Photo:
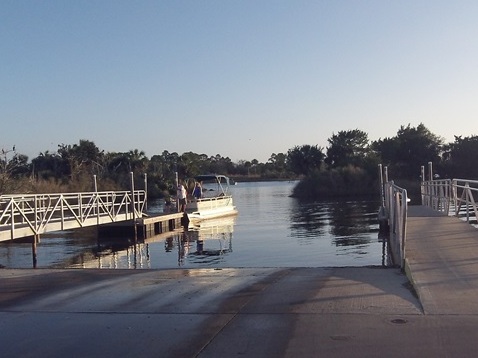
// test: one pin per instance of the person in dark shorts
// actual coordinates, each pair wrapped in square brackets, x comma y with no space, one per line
[181,198]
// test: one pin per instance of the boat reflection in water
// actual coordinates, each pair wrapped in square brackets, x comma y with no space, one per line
[213,239]
[202,245]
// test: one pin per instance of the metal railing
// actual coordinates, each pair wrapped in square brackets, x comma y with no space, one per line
[396,207]
[437,194]
[465,199]
[458,197]
[27,215]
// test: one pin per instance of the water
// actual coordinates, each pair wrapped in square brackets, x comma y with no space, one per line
[271,230]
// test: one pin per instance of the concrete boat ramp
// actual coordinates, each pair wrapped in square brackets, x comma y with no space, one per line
[264,312]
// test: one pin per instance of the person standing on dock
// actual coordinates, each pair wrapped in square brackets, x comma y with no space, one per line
[197,192]
[182,194]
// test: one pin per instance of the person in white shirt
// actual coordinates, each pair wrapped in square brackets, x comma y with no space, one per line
[181,197]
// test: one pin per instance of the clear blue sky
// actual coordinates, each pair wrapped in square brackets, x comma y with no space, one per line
[242,79]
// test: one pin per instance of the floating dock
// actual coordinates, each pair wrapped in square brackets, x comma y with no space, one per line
[145,227]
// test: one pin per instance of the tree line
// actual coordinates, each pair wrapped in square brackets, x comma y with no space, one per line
[347,166]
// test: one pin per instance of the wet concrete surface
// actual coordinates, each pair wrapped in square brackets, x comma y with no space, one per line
[270,312]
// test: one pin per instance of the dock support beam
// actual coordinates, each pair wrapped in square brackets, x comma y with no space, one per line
[36,239]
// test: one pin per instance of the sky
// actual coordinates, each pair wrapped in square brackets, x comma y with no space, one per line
[242,79]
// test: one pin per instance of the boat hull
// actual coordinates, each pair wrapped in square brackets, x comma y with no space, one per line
[209,208]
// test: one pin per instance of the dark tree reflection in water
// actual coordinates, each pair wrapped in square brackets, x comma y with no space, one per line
[348,222]
[308,219]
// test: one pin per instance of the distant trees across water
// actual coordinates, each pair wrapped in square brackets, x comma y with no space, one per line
[347,166]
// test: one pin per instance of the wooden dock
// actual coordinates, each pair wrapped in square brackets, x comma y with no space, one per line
[145,227]
[159,224]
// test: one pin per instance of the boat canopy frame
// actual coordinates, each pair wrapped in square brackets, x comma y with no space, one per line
[216,178]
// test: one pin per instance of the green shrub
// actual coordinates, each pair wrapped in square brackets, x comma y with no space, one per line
[339,182]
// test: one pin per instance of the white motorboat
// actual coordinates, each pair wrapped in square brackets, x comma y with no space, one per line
[215,200]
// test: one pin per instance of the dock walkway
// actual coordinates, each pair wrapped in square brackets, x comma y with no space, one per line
[442,261]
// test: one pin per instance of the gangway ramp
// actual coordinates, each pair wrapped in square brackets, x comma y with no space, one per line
[442,261]
[35,214]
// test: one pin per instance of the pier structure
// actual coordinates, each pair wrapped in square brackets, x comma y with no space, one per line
[118,212]
[441,261]
[144,227]
[113,213]
[35,214]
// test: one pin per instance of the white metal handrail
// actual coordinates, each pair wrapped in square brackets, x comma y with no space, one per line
[458,197]
[465,198]
[437,194]
[396,206]
[34,214]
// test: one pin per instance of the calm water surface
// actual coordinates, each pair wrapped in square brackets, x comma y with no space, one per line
[271,230]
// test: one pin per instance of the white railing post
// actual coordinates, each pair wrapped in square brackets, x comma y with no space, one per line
[404,224]
[12,218]
[467,193]
[133,206]
[80,207]
[145,191]
[62,205]
[422,184]
[35,212]
[96,200]
[396,204]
